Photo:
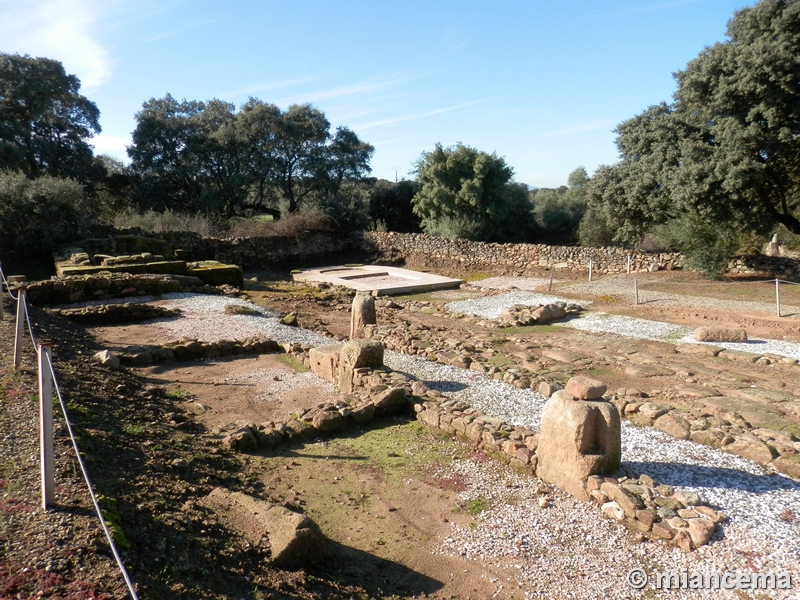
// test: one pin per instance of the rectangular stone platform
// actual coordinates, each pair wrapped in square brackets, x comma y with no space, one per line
[378,280]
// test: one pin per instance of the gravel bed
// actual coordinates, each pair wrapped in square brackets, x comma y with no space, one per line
[204,319]
[492,307]
[623,286]
[273,384]
[506,283]
[755,538]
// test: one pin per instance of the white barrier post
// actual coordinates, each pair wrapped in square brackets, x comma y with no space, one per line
[629,264]
[778,296]
[552,270]
[46,425]
[20,326]
[636,290]
[591,265]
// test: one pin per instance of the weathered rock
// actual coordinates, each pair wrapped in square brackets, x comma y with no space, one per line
[290,319]
[547,388]
[294,539]
[362,313]
[627,501]
[674,425]
[720,334]
[613,511]
[363,413]
[107,359]
[327,420]
[700,530]
[394,396]
[585,388]
[242,440]
[548,313]
[578,438]
[653,410]
[749,446]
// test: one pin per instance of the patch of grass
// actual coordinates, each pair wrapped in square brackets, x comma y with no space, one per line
[292,362]
[476,507]
[500,360]
[178,394]
[133,429]
[114,521]
[471,276]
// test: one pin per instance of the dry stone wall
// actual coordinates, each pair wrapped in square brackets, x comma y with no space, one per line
[421,249]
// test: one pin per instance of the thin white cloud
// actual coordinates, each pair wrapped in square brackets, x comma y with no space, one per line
[370,87]
[263,87]
[183,29]
[60,29]
[113,145]
[414,117]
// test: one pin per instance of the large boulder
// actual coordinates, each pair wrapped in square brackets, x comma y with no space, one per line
[363,313]
[578,438]
[295,540]
[585,388]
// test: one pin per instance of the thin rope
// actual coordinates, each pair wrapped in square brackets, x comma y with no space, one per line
[10,293]
[96,504]
[30,325]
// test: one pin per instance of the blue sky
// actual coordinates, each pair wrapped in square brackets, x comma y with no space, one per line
[541,83]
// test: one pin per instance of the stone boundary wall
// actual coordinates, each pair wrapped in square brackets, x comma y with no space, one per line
[419,249]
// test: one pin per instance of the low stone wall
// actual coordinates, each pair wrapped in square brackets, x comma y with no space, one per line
[418,249]
[106,285]
[426,251]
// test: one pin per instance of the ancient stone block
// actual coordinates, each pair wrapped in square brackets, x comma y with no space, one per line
[720,334]
[578,438]
[362,313]
[324,362]
[294,539]
[357,354]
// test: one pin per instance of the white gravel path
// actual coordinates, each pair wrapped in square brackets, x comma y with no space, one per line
[204,318]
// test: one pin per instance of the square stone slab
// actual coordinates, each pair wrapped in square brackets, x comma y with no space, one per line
[378,280]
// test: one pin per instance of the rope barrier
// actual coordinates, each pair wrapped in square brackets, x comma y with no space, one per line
[96,504]
[85,474]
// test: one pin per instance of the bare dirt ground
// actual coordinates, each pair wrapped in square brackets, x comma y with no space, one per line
[152,439]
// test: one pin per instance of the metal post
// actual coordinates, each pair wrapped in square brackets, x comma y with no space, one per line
[20,326]
[778,296]
[552,270]
[591,265]
[629,264]
[46,425]
[636,290]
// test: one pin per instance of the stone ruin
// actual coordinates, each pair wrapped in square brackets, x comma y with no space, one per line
[580,436]
[363,314]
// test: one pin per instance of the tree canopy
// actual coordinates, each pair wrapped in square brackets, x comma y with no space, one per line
[727,149]
[45,123]
[466,193]
[208,155]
